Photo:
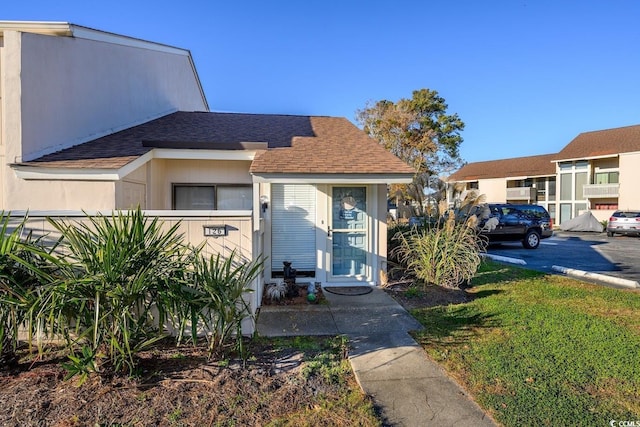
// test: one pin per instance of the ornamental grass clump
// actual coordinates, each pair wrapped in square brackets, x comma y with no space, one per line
[447,255]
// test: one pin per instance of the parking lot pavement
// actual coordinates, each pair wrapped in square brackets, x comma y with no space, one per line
[617,256]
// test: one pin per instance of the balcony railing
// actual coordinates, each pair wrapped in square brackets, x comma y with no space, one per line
[595,191]
[521,193]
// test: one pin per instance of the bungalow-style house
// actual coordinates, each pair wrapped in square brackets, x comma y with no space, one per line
[596,171]
[94,121]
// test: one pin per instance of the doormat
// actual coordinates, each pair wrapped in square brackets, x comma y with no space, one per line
[348,290]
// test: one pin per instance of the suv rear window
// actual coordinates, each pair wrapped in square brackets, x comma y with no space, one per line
[622,214]
[532,211]
[535,211]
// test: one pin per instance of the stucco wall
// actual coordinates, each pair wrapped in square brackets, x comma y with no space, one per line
[629,196]
[494,189]
[56,195]
[167,172]
[73,90]
[131,192]
[380,222]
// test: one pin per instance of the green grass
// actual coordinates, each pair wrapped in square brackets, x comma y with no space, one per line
[537,349]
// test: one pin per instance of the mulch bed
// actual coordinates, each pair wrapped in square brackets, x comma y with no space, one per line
[175,386]
[411,297]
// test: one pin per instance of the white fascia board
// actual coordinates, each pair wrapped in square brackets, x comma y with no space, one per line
[198,154]
[333,178]
[87,174]
[59,174]
[37,27]
[606,156]
[67,29]
[81,32]
[84,174]
[135,164]
[512,178]
[464,180]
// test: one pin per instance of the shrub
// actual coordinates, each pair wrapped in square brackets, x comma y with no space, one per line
[116,272]
[446,255]
[218,294]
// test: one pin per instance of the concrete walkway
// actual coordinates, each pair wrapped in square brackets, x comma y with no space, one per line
[389,365]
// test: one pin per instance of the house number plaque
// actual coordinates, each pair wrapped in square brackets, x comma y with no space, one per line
[215,230]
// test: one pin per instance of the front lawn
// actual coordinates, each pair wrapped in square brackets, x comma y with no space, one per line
[537,349]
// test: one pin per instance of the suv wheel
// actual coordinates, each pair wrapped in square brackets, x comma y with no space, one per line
[531,240]
[609,233]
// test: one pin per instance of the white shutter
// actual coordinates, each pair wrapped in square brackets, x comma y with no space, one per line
[293,226]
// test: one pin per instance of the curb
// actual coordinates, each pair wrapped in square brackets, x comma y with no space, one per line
[505,259]
[631,284]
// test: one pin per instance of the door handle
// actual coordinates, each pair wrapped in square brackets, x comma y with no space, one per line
[329,231]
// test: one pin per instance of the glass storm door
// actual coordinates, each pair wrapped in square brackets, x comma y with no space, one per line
[349,232]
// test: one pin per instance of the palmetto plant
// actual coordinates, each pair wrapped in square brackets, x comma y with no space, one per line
[23,263]
[117,275]
[218,291]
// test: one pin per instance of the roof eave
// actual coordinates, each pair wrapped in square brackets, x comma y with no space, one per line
[331,178]
[38,27]
[42,172]
[573,159]
[31,173]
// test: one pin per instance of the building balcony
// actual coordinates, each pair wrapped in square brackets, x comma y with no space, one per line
[521,193]
[595,191]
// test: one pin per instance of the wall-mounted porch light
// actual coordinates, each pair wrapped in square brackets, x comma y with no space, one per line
[264,202]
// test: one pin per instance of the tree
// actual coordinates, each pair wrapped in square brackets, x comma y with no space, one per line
[420,132]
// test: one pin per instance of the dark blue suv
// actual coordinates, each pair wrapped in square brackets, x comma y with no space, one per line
[505,222]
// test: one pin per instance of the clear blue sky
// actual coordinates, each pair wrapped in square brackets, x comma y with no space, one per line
[526,76]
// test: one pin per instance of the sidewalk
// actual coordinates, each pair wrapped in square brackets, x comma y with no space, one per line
[389,365]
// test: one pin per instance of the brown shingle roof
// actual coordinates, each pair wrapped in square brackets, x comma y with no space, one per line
[296,144]
[338,147]
[520,166]
[602,143]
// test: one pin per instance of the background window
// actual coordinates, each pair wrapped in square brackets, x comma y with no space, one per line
[565,186]
[581,180]
[552,189]
[606,178]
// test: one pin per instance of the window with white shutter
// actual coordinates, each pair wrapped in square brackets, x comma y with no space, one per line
[293,227]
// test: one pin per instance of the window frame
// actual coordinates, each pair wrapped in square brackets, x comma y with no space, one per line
[215,187]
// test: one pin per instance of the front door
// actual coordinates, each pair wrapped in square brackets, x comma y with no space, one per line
[349,233]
